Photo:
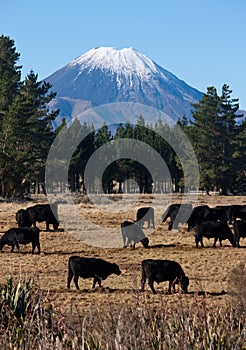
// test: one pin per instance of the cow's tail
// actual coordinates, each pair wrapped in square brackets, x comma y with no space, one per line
[165,215]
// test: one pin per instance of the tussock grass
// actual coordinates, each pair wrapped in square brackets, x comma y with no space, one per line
[29,321]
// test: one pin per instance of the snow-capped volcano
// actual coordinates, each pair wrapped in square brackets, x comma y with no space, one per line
[107,75]
[126,62]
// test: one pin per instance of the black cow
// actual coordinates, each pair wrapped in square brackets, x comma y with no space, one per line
[132,233]
[163,270]
[215,214]
[43,212]
[218,230]
[16,236]
[146,214]
[181,212]
[197,216]
[95,268]
[239,227]
[227,209]
[238,212]
[23,219]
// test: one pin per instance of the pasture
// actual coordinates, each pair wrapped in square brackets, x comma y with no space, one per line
[92,231]
[207,268]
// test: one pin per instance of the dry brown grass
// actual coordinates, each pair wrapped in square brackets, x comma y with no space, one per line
[118,316]
[208,268]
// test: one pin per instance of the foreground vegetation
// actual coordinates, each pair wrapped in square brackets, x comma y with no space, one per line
[29,321]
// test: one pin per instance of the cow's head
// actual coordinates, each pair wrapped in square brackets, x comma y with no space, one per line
[184,282]
[145,242]
[116,269]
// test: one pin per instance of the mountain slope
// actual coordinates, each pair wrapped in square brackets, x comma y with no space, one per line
[106,75]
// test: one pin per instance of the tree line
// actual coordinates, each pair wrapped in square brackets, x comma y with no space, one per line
[27,133]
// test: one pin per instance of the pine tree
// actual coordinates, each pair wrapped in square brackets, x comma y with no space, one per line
[26,130]
[214,135]
[10,74]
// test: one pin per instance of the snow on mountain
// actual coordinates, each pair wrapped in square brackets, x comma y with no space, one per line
[126,62]
[107,75]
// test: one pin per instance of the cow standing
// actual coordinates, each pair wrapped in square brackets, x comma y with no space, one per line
[197,216]
[163,270]
[178,214]
[132,233]
[43,212]
[218,230]
[239,228]
[16,236]
[95,268]
[146,214]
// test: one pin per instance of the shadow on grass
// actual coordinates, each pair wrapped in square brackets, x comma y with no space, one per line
[156,246]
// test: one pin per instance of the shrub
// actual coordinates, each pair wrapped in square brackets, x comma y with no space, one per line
[29,321]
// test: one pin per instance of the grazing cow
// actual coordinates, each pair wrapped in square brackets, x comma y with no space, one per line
[197,216]
[238,212]
[95,268]
[181,212]
[16,236]
[146,214]
[163,270]
[43,212]
[23,219]
[239,228]
[132,233]
[218,230]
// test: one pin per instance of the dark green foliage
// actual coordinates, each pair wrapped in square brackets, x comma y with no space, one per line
[26,130]
[26,136]
[9,73]
[215,136]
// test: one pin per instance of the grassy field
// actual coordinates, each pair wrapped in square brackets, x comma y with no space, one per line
[209,269]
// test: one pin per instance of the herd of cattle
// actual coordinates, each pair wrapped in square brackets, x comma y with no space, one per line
[205,221]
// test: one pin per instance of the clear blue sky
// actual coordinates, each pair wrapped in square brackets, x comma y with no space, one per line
[201,42]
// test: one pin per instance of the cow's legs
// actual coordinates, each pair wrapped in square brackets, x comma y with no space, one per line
[151,284]
[16,243]
[69,278]
[98,280]
[153,223]
[143,280]
[76,279]
[126,242]
[197,241]
[34,245]
[237,242]
[215,240]
[172,285]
